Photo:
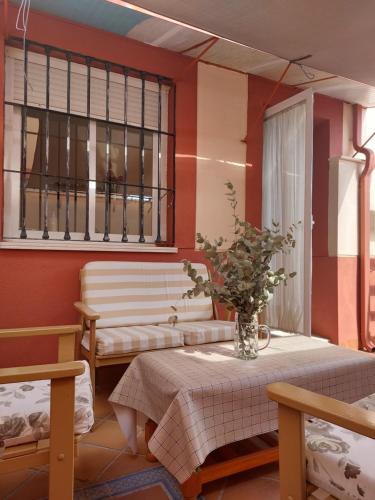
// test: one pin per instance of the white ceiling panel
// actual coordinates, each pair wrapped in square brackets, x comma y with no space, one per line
[337,33]
[346,90]
[165,34]
[238,57]
[296,75]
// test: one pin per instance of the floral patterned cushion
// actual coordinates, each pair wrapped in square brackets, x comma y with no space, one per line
[25,409]
[340,461]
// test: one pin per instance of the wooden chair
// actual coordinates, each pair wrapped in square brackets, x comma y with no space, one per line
[58,451]
[294,403]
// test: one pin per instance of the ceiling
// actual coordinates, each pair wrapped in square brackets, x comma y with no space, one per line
[338,34]
[334,46]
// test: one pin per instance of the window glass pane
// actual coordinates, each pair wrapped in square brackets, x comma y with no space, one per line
[133,211]
[33,198]
[116,208]
[117,155]
[118,176]
[166,155]
[57,178]
[148,207]
[166,211]
[99,206]
[134,162]
[34,151]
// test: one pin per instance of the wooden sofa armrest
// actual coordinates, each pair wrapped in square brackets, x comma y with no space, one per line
[228,315]
[90,315]
[86,311]
[343,414]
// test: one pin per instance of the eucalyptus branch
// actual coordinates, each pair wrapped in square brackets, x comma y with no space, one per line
[243,278]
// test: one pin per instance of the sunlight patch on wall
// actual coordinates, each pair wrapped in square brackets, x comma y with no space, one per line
[221,156]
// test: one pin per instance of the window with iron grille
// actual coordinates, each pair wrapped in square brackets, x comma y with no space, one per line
[89,149]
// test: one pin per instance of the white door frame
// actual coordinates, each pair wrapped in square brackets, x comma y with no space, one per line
[307,96]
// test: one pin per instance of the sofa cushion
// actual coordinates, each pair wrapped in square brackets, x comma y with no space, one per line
[204,332]
[126,339]
[141,293]
[340,461]
[25,409]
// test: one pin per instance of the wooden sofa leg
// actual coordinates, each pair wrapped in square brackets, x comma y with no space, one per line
[61,463]
[92,354]
[292,462]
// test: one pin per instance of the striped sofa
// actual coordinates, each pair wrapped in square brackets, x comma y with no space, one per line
[126,307]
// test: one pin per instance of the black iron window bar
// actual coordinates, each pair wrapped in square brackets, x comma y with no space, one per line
[68,179]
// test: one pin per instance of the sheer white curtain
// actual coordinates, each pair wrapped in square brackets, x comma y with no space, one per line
[284,202]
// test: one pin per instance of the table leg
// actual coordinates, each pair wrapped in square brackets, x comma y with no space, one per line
[192,487]
[150,427]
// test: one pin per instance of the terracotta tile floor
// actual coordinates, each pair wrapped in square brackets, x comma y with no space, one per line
[103,455]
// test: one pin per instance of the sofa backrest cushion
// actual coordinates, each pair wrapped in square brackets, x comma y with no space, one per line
[141,293]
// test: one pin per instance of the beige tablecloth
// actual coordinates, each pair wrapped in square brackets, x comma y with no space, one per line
[203,397]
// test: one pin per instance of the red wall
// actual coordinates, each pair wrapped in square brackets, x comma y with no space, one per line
[2,84]
[324,298]
[39,287]
[334,287]
[328,130]
[372,300]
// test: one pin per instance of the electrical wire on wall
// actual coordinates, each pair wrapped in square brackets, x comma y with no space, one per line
[22,22]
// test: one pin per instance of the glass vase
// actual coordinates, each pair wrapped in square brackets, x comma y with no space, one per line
[246,337]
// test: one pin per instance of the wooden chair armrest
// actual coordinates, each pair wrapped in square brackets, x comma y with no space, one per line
[345,415]
[66,335]
[39,330]
[87,312]
[41,372]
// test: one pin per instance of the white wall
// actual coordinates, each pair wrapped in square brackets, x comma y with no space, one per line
[343,207]
[343,214]
[344,173]
[222,124]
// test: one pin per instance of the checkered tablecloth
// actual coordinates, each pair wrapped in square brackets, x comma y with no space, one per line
[203,397]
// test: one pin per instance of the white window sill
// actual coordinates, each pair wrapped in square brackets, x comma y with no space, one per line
[84,246]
